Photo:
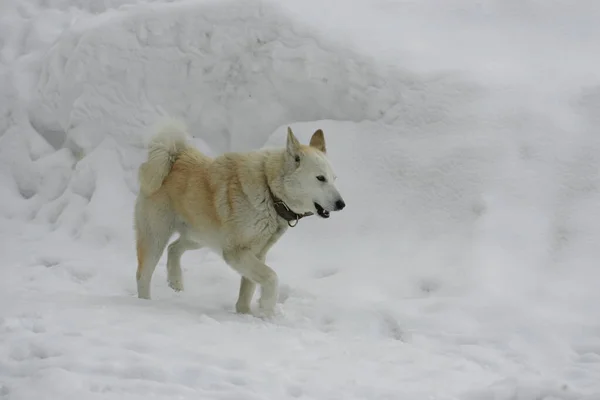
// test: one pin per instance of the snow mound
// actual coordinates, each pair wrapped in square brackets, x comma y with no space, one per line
[233,70]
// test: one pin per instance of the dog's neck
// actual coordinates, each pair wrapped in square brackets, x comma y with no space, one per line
[280,206]
[285,212]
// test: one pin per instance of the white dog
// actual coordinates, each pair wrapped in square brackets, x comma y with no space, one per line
[238,204]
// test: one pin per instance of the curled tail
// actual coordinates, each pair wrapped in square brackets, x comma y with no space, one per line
[165,146]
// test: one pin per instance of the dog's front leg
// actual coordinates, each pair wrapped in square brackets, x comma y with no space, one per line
[247,288]
[250,267]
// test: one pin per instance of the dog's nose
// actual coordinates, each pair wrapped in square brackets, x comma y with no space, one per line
[340,204]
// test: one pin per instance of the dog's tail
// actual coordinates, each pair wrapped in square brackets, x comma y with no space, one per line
[169,140]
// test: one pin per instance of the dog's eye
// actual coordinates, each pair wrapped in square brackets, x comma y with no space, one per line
[321,178]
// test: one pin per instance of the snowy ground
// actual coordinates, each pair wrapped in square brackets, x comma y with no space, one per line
[464,135]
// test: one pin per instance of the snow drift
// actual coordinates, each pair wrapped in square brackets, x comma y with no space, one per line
[234,70]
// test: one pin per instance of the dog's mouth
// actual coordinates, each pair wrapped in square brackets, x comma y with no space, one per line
[323,213]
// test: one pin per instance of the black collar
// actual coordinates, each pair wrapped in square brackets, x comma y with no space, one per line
[285,212]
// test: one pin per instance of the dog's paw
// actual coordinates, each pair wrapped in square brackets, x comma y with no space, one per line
[270,313]
[265,313]
[242,309]
[176,285]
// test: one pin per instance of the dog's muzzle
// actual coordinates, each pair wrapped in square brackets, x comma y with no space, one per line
[323,213]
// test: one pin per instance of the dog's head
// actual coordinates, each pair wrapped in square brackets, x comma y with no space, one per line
[309,178]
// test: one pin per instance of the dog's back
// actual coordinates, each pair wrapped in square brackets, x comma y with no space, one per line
[190,191]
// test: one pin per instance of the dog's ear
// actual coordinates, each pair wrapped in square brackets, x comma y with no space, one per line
[293,145]
[318,141]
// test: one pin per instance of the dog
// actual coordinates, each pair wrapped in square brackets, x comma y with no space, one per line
[237,204]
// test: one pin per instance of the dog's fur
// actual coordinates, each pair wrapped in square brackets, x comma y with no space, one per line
[226,204]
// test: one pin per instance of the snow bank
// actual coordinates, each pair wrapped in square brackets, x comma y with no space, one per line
[233,70]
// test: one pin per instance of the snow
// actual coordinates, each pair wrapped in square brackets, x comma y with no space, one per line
[464,137]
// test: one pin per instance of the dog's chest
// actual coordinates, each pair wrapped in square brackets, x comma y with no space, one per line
[264,226]
[269,224]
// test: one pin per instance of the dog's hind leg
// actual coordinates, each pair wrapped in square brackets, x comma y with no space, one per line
[176,250]
[149,251]
[153,230]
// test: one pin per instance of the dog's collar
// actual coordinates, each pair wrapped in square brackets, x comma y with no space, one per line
[285,212]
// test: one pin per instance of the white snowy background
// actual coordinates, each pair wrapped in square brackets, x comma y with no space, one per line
[465,139]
